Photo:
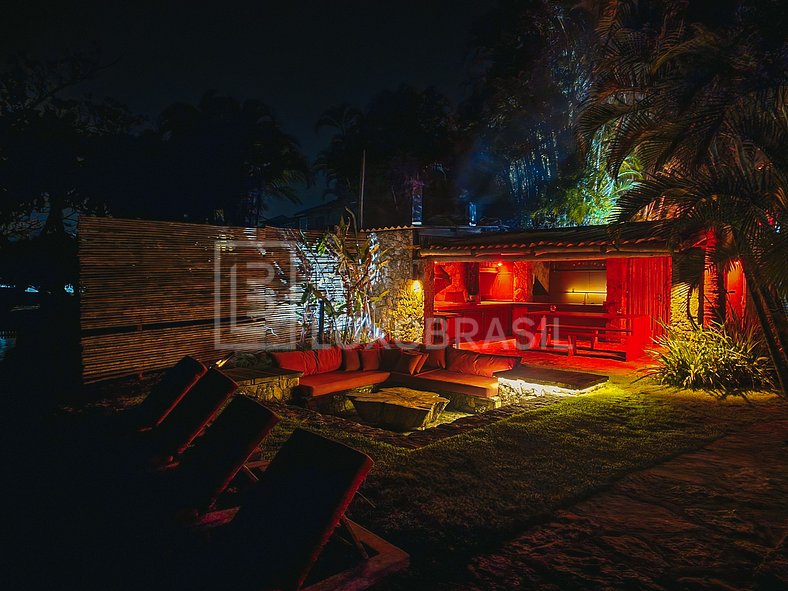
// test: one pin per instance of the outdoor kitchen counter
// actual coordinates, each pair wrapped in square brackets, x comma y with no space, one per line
[493,320]
[477,320]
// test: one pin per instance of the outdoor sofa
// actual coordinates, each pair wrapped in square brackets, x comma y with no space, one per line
[466,377]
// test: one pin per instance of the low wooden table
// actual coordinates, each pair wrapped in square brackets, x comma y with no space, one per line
[400,409]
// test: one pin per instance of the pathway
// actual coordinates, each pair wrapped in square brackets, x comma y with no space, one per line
[716,518]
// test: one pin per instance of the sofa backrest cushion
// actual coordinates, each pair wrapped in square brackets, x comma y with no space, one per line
[370,359]
[351,360]
[470,362]
[487,365]
[389,358]
[436,357]
[329,359]
[303,361]
[410,362]
[422,361]
[460,361]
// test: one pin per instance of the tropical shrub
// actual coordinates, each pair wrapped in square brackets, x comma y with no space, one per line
[343,270]
[723,360]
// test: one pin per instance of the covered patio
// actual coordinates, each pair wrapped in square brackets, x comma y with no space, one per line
[600,294]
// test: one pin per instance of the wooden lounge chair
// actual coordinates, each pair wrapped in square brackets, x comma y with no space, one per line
[168,392]
[198,407]
[206,468]
[273,540]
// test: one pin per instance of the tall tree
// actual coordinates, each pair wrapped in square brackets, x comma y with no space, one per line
[532,68]
[408,138]
[700,99]
[50,143]
[222,160]
[48,140]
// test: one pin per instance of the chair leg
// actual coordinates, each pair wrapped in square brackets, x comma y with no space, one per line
[356,542]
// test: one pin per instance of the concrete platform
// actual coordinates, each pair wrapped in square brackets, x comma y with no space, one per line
[558,378]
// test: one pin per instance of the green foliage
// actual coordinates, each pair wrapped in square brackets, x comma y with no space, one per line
[343,268]
[523,109]
[249,360]
[591,197]
[701,100]
[523,468]
[718,359]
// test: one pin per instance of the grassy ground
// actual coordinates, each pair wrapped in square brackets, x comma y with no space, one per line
[451,500]
[444,503]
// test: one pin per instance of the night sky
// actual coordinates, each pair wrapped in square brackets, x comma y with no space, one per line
[299,57]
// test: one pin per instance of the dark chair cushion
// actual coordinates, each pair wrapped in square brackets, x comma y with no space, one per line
[168,392]
[287,517]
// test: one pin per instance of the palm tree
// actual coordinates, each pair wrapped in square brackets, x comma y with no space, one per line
[227,156]
[340,162]
[703,107]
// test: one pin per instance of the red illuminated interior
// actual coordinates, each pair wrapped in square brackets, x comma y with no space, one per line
[610,298]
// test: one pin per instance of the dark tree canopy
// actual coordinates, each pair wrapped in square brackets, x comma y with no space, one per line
[407,137]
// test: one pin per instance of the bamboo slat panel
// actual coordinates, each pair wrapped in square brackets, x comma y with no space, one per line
[151,292]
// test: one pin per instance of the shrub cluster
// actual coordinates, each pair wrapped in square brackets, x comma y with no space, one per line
[718,359]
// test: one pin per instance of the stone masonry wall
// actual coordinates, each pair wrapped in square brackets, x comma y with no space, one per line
[397,275]
[684,292]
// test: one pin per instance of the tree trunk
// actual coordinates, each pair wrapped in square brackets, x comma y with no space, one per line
[713,284]
[769,317]
[54,222]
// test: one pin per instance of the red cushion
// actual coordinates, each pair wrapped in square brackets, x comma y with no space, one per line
[370,359]
[389,358]
[442,380]
[487,365]
[409,362]
[350,360]
[338,381]
[436,357]
[461,361]
[303,361]
[422,361]
[329,359]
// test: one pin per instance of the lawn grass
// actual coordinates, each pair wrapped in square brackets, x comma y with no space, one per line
[463,495]
[471,493]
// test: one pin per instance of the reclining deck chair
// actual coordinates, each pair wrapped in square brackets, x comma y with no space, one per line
[286,519]
[198,407]
[167,393]
[208,467]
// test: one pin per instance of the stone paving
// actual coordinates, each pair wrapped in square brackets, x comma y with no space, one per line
[716,518]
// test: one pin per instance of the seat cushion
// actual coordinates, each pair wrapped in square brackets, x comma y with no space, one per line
[389,358]
[449,381]
[410,362]
[339,381]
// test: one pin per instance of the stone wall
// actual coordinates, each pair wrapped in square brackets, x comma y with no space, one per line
[523,281]
[685,289]
[268,388]
[397,284]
